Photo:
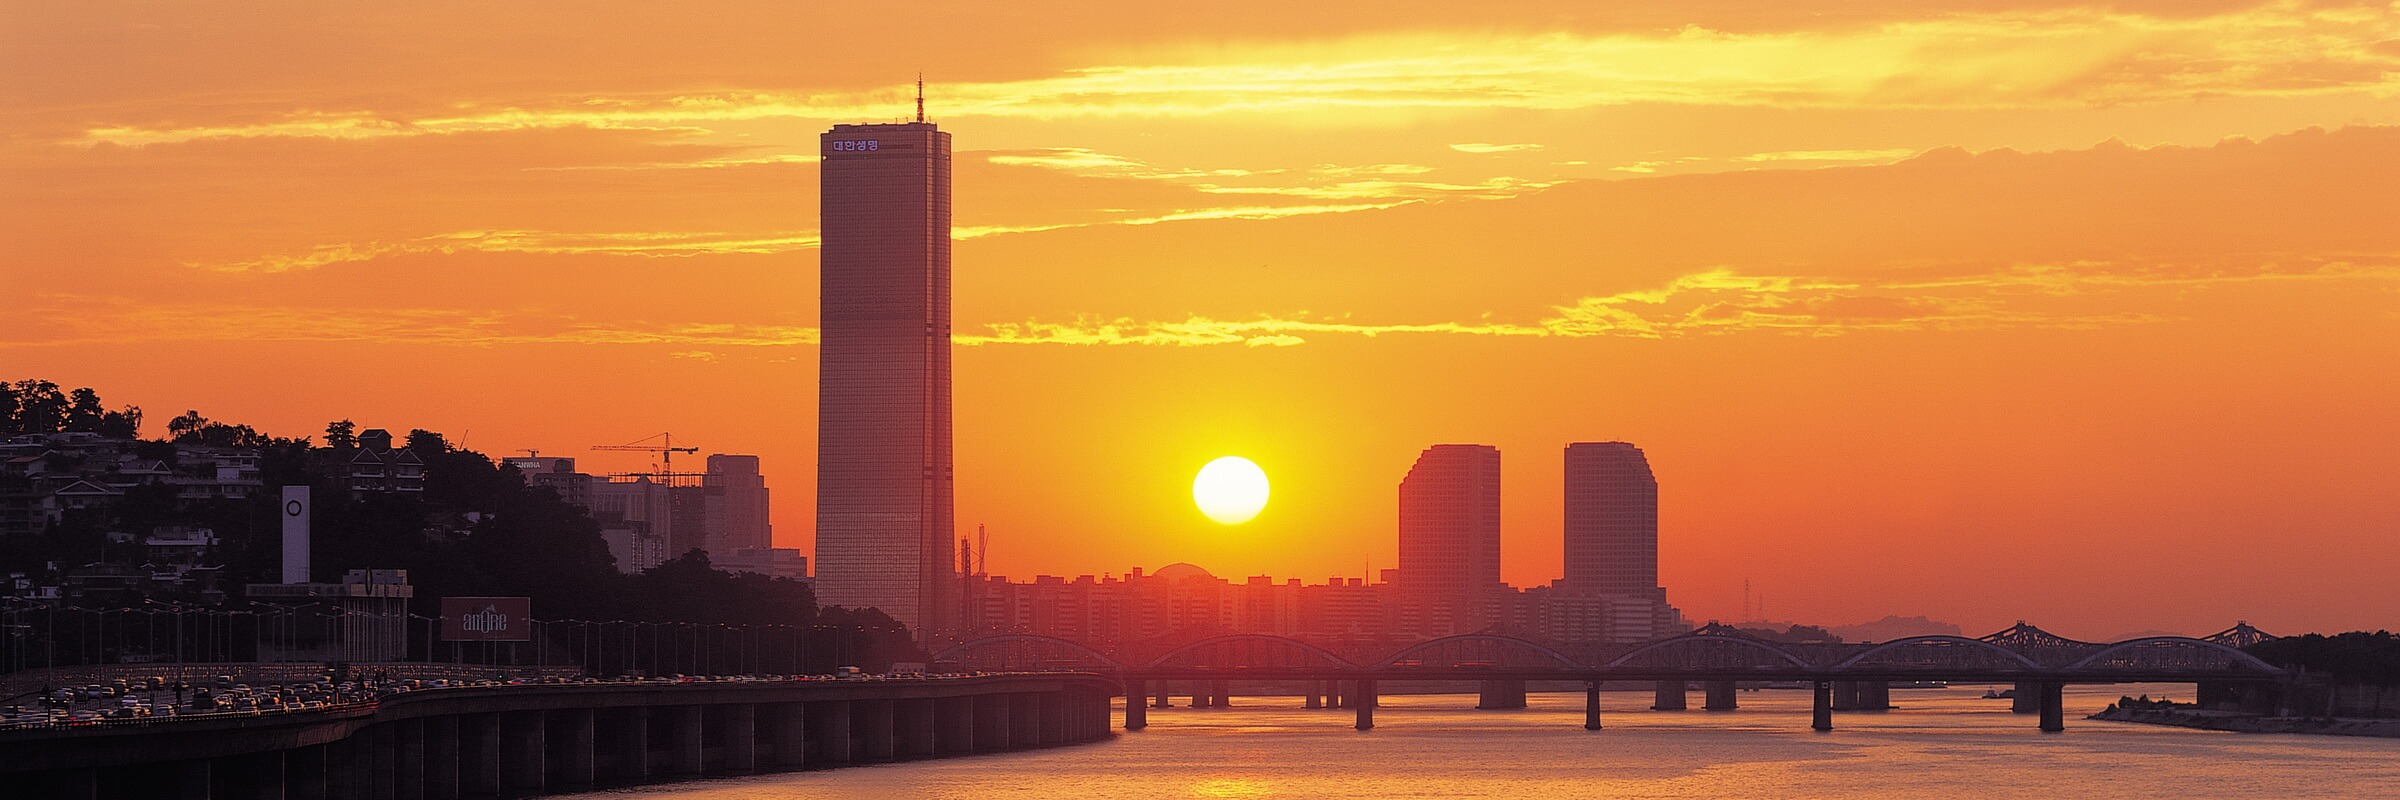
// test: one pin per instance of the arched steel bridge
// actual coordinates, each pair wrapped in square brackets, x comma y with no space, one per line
[1715,652]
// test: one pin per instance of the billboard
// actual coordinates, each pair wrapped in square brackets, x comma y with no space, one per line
[487,619]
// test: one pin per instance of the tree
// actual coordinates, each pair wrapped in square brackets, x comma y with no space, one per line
[2355,657]
[124,423]
[41,407]
[187,425]
[427,443]
[84,411]
[341,434]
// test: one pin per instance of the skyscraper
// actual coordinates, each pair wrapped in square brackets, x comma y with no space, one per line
[1612,520]
[1450,537]
[736,497]
[883,425]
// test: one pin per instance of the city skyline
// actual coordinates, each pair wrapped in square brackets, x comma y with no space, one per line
[2025,310]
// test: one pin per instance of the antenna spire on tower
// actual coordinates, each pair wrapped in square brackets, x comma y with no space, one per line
[920,97]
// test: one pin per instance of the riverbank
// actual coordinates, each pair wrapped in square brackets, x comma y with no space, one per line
[2237,722]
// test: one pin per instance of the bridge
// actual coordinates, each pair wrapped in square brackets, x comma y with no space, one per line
[1845,677]
[526,740]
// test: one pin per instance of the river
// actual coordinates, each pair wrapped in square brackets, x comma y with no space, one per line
[1939,743]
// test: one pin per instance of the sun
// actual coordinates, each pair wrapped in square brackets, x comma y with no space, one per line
[1230,490]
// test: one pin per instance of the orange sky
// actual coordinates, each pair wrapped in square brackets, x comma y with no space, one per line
[2082,313]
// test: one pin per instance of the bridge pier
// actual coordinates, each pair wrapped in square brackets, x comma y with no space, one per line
[913,728]
[479,754]
[627,746]
[2026,698]
[1845,695]
[1222,694]
[1501,695]
[1875,695]
[686,740]
[787,725]
[1366,705]
[251,776]
[992,724]
[829,728]
[523,741]
[182,780]
[877,725]
[1314,695]
[304,773]
[1057,710]
[1137,704]
[1591,705]
[737,726]
[383,744]
[346,767]
[1822,717]
[408,761]
[441,758]
[1720,696]
[2053,706]
[1024,720]
[64,784]
[956,718]
[572,740]
[1670,696]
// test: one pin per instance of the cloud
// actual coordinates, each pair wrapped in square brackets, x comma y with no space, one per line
[2068,58]
[1493,189]
[675,244]
[111,320]
[644,244]
[1082,161]
[1830,155]
[1370,169]
[1202,331]
[1713,302]
[711,163]
[1721,301]
[1479,147]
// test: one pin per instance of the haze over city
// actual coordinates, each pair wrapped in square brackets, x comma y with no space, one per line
[2067,312]
[458,400]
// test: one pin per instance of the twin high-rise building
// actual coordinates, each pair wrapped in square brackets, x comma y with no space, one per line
[883,425]
[1449,575]
[1450,537]
[1612,520]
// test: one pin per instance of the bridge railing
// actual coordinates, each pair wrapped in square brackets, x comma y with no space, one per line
[50,645]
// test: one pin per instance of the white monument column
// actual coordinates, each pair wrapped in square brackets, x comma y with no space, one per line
[295,534]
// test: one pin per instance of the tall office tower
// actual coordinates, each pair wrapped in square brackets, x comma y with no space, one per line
[1612,520]
[884,527]
[1450,537]
[737,505]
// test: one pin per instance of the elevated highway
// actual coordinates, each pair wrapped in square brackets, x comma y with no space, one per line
[527,740]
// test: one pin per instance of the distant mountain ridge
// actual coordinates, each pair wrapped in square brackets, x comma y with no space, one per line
[1895,627]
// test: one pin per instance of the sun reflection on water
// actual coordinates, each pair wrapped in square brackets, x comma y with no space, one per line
[1232,787]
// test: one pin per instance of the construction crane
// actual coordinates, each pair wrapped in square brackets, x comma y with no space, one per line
[665,449]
